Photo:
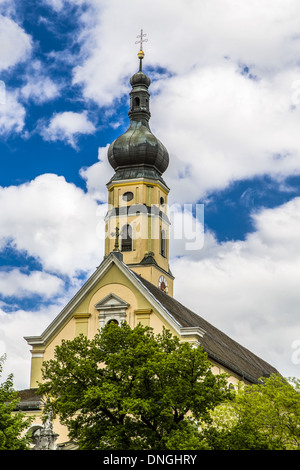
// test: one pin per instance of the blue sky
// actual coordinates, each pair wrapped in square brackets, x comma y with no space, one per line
[225,101]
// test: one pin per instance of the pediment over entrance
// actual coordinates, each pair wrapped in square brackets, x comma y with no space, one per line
[111,308]
[110,301]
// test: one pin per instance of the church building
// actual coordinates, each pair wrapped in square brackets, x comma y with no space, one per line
[134,282]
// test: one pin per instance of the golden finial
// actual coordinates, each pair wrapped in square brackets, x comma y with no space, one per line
[141,41]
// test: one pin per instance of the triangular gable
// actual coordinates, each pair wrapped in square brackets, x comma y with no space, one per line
[90,284]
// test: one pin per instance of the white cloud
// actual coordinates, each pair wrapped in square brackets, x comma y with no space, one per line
[250,289]
[53,221]
[67,126]
[59,5]
[13,327]
[39,87]
[17,284]
[16,45]
[262,35]
[220,126]
[12,113]
[16,48]
[98,175]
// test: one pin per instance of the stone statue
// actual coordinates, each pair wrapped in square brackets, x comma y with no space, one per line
[46,439]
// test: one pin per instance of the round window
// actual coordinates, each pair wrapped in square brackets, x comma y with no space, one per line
[128,196]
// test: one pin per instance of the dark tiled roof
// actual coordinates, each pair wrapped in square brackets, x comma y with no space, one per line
[29,400]
[218,345]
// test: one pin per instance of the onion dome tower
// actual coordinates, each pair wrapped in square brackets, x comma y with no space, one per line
[138,153]
[137,224]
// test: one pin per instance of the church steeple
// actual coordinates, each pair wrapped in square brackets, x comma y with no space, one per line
[137,152]
[139,96]
[137,192]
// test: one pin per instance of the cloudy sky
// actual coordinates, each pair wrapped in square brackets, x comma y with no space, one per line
[225,101]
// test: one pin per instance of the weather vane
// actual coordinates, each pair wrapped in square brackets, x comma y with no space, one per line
[141,52]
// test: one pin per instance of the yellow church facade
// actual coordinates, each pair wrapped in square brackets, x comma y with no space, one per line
[113,293]
[134,282]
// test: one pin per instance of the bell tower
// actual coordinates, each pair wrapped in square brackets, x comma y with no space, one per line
[137,222]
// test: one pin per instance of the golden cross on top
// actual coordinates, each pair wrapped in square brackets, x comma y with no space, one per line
[141,36]
[141,41]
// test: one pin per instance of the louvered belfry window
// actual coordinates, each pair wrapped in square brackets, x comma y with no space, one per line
[126,238]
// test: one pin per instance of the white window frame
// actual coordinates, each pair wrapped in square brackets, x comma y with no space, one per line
[110,308]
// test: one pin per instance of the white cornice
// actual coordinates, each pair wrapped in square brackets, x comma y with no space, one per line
[138,180]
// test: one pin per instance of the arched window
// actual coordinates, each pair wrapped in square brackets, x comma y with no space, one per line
[115,322]
[112,309]
[163,243]
[136,101]
[33,433]
[126,238]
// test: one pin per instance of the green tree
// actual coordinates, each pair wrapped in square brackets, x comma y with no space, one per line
[12,423]
[265,416]
[128,389]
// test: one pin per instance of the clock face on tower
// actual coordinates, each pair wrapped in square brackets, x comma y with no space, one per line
[162,284]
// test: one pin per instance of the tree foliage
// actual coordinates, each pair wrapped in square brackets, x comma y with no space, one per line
[265,416]
[128,389]
[12,423]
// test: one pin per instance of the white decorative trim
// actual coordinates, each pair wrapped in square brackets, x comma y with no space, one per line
[189,331]
[110,308]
